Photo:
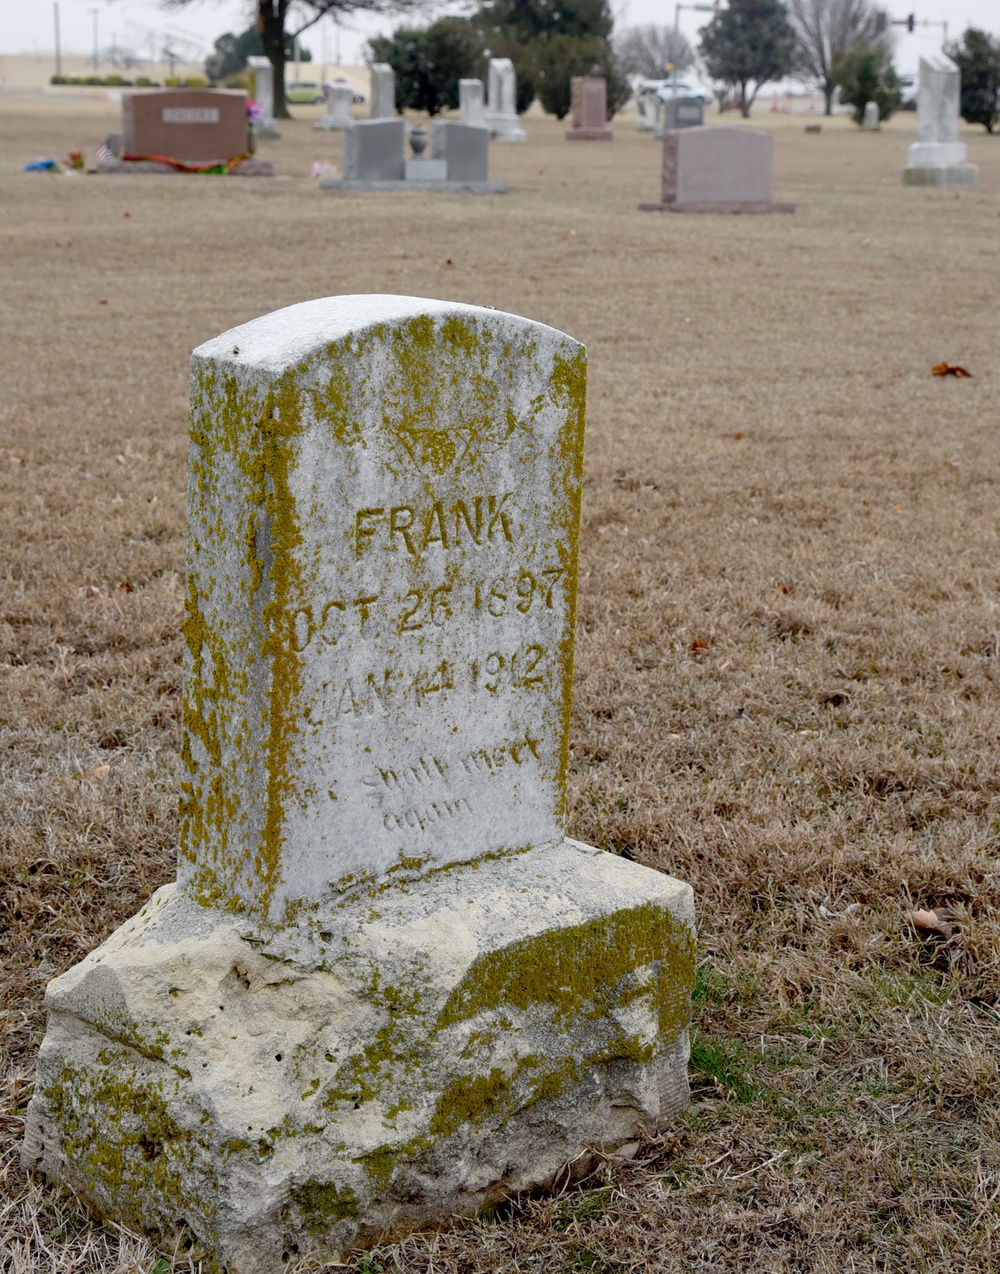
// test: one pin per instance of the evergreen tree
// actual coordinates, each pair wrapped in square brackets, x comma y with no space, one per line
[866,74]
[978,58]
[430,61]
[748,44]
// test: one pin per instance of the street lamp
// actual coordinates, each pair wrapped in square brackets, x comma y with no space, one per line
[698,8]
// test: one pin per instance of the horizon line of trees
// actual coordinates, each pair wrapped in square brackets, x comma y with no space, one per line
[833,44]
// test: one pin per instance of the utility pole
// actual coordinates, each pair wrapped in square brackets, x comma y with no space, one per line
[55,16]
[97,57]
[698,8]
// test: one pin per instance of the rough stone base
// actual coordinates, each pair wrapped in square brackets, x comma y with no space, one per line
[739,207]
[252,167]
[411,1051]
[426,187]
[941,175]
[589,135]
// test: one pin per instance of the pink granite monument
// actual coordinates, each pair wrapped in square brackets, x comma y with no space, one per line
[185,130]
[589,106]
[717,169]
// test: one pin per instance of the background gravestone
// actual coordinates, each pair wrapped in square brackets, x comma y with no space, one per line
[193,125]
[871,121]
[680,112]
[501,102]
[717,170]
[465,149]
[337,113]
[589,106]
[263,94]
[385,989]
[937,157]
[470,101]
[383,91]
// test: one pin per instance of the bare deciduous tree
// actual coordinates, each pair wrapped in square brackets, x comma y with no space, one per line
[648,51]
[826,28]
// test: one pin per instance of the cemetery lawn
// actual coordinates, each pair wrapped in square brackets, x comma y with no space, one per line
[787,664]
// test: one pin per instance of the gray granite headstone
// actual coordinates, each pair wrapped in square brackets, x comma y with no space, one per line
[373,150]
[465,149]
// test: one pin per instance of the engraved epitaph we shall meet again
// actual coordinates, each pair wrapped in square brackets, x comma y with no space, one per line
[382,568]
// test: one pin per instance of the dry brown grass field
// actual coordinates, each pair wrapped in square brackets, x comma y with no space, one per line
[787,663]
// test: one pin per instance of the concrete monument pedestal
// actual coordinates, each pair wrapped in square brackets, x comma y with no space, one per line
[385,989]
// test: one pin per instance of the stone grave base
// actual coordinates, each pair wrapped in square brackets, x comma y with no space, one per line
[252,167]
[589,134]
[735,207]
[941,175]
[417,1048]
[431,187]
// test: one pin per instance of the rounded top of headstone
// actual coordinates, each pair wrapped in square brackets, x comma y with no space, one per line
[283,337]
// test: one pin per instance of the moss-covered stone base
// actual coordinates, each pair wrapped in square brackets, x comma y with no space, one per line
[422,1050]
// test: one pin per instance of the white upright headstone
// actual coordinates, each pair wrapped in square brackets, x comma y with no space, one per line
[937,157]
[501,102]
[337,115]
[385,988]
[263,94]
[871,121]
[647,106]
[383,92]
[470,102]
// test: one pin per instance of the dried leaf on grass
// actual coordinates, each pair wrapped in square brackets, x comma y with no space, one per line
[949,369]
[95,775]
[940,923]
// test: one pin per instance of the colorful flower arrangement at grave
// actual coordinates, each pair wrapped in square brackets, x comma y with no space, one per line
[255,113]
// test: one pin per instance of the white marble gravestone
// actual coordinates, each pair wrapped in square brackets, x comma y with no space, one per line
[385,988]
[263,94]
[937,157]
[872,120]
[470,103]
[501,102]
[337,113]
[383,91]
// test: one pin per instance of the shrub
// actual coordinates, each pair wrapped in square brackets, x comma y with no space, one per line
[865,73]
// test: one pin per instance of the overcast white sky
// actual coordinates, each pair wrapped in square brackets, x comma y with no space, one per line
[143,24]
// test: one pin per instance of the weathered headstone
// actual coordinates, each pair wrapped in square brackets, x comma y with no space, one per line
[383,91]
[937,157]
[717,170]
[174,130]
[470,102]
[263,94]
[871,121]
[337,114]
[465,149]
[384,989]
[501,102]
[589,109]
